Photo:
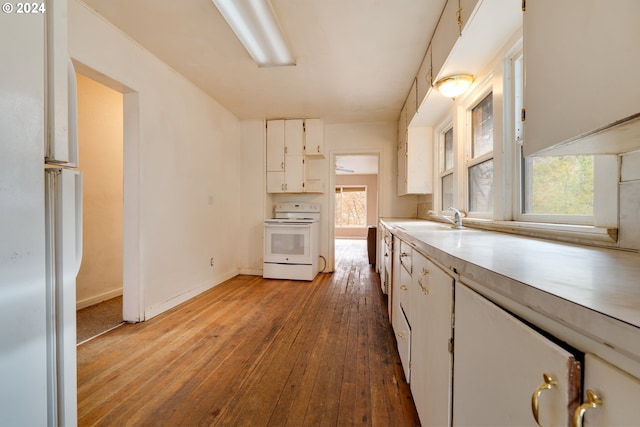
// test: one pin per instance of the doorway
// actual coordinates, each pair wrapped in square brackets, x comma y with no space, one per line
[356,197]
[99,282]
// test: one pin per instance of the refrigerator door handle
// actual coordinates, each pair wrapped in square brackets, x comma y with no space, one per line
[78,218]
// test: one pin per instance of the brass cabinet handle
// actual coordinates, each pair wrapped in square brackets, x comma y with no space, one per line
[547,383]
[404,254]
[423,273]
[402,334]
[403,287]
[593,401]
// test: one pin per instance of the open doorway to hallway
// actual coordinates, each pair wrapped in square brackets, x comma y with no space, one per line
[99,283]
[356,198]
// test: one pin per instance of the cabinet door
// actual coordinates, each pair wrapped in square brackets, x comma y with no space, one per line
[293,138]
[275,146]
[424,79]
[412,101]
[618,390]
[444,37]
[499,364]
[314,137]
[581,61]
[294,174]
[403,337]
[404,296]
[431,333]
[419,157]
[275,182]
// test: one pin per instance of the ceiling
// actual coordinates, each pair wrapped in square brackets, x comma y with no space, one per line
[366,164]
[355,59]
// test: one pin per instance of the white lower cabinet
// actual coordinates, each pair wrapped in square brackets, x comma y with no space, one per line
[431,297]
[611,396]
[470,362]
[506,373]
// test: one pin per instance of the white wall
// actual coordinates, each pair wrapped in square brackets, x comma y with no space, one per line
[252,197]
[100,116]
[187,176]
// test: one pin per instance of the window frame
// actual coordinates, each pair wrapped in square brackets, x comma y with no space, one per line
[442,170]
[485,88]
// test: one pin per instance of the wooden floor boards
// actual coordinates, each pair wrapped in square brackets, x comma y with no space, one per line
[255,352]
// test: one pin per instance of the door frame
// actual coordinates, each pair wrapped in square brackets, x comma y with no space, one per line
[132,289]
[332,186]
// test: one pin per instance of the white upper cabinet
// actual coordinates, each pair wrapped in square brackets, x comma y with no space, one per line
[424,79]
[445,36]
[314,138]
[415,162]
[285,159]
[412,101]
[581,64]
[293,138]
[275,146]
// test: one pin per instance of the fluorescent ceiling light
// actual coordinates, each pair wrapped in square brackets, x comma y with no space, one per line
[256,25]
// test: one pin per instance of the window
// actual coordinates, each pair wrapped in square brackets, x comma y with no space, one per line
[351,206]
[446,175]
[480,163]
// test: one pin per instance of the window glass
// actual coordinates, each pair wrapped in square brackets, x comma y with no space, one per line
[481,187]
[447,191]
[351,206]
[482,127]
[561,185]
[448,150]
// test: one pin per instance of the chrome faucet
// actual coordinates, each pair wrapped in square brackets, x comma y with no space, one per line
[457,224]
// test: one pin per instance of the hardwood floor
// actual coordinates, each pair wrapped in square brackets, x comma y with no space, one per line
[255,352]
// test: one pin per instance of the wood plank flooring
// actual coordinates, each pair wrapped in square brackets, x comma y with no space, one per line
[255,352]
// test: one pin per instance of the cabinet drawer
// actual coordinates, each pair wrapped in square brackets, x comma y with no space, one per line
[404,293]
[406,255]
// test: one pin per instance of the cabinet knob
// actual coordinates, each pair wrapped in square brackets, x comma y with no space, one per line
[593,401]
[547,383]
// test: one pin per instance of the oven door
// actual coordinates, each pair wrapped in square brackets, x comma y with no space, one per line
[287,243]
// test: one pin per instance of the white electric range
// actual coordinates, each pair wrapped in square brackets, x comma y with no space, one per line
[291,242]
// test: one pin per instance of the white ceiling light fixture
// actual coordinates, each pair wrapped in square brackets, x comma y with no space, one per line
[255,23]
[454,86]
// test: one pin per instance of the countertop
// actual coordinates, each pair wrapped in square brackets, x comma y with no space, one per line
[592,290]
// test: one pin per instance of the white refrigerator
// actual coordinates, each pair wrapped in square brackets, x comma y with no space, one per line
[40,220]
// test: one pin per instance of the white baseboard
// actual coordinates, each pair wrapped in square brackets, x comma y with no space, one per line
[252,272]
[173,302]
[98,298]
